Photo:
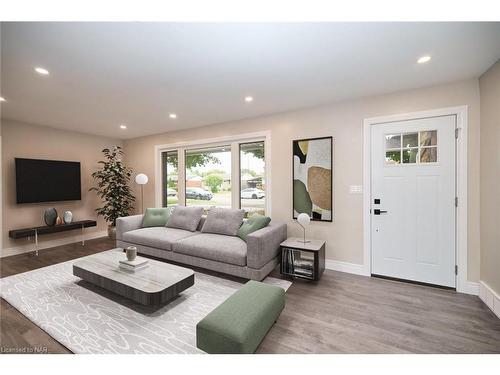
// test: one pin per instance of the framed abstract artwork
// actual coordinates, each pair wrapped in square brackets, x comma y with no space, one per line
[313,178]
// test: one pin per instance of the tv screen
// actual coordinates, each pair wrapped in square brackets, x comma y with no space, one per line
[47,180]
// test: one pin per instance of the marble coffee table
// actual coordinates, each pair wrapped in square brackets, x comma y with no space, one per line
[153,285]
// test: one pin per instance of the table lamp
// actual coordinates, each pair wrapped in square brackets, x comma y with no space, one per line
[303,220]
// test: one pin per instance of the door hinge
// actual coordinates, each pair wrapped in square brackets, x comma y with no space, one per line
[456,270]
[456,132]
[456,201]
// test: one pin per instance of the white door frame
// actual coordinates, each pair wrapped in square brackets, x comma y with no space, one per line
[461,186]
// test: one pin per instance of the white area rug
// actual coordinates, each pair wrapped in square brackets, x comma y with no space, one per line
[87,319]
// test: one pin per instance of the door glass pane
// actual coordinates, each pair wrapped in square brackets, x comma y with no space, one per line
[252,181]
[393,141]
[410,155]
[410,140]
[208,177]
[428,138]
[428,155]
[170,168]
[393,157]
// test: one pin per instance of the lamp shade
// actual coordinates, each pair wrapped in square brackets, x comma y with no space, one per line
[303,219]
[141,179]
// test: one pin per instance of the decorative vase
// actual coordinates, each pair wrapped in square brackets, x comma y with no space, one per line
[131,253]
[59,221]
[68,217]
[50,216]
[112,232]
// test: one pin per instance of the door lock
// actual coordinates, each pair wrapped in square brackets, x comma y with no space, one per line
[378,212]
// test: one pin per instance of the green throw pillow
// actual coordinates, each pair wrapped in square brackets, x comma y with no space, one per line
[254,223]
[156,217]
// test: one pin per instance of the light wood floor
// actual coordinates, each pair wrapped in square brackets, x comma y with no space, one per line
[341,313]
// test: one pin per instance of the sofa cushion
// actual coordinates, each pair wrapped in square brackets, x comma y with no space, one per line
[156,217]
[225,249]
[253,224]
[223,221]
[186,218]
[159,237]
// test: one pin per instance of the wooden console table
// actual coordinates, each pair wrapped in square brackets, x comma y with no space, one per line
[37,231]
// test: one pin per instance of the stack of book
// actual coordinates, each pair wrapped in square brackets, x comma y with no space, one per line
[303,267]
[135,265]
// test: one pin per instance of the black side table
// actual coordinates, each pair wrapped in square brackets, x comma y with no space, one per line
[303,260]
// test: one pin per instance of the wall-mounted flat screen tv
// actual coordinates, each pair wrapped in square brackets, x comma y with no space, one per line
[47,180]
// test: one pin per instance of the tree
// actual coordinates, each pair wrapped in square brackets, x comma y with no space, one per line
[214,182]
[113,186]
[194,160]
[258,152]
[249,171]
[216,171]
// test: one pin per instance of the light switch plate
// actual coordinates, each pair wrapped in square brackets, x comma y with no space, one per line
[356,189]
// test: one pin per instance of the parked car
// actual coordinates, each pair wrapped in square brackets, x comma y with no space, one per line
[171,192]
[198,193]
[252,193]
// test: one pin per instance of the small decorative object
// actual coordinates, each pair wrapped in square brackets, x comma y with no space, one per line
[59,221]
[141,179]
[50,216]
[303,220]
[113,188]
[312,178]
[131,253]
[68,217]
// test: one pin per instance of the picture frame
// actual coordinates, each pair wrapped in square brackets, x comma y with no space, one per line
[312,178]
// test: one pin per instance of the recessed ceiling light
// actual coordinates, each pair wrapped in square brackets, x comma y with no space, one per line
[172,115]
[2,99]
[248,99]
[41,70]
[424,59]
[123,126]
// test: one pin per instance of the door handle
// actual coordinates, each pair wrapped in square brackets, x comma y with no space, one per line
[378,212]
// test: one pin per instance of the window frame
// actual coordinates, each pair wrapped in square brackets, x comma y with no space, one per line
[187,149]
[265,174]
[419,148]
[234,142]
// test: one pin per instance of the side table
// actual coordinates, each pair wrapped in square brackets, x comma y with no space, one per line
[303,260]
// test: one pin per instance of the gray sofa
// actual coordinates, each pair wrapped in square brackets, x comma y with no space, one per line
[253,259]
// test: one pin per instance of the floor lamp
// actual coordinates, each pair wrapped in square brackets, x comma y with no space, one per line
[141,179]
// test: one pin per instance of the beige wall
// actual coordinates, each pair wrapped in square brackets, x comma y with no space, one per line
[29,141]
[489,84]
[344,121]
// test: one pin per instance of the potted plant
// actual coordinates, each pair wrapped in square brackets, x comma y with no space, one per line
[113,188]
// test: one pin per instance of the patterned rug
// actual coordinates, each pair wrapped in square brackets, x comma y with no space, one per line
[88,319]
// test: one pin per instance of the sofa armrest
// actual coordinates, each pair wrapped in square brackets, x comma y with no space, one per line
[264,244]
[126,224]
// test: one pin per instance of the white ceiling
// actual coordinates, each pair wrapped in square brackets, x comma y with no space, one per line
[104,74]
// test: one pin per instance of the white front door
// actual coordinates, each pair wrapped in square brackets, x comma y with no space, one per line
[413,200]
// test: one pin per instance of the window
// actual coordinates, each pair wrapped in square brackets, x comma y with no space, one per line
[208,177]
[252,178]
[231,173]
[411,148]
[170,166]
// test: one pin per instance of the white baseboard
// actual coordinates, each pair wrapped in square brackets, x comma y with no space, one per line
[489,297]
[52,243]
[469,287]
[337,265]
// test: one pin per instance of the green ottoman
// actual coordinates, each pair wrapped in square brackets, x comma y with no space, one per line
[239,324]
